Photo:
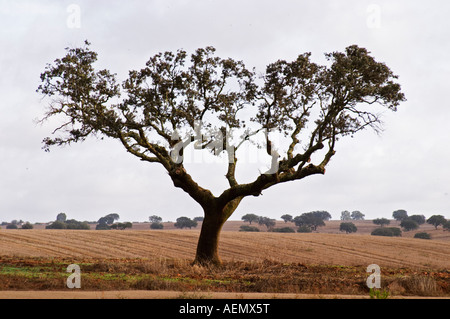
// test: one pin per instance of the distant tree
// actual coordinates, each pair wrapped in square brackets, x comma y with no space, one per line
[357,215]
[381,221]
[287,218]
[198,219]
[436,220]
[419,219]
[446,225]
[11,226]
[311,220]
[247,228]
[27,225]
[61,217]
[155,219]
[422,235]
[249,218]
[56,225]
[409,224]
[348,227]
[323,215]
[105,222]
[266,221]
[345,215]
[400,214]
[185,222]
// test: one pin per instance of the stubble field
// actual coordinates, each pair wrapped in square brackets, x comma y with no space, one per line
[140,259]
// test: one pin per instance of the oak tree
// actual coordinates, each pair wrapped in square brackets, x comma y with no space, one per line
[203,101]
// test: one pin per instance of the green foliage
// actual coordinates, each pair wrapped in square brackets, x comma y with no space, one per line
[75,224]
[247,228]
[446,225]
[266,221]
[348,227]
[304,229]
[436,220]
[249,218]
[387,231]
[409,224]
[287,218]
[381,221]
[61,217]
[422,235]
[56,225]
[185,222]
[312,219]
[155,219]
[378,294]
[121,226]
[27,225]
[156,225]
[419,219]
[283,230]
[12,226]
[400,214]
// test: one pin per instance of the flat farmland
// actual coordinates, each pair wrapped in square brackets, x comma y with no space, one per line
[326,247]
[324,263]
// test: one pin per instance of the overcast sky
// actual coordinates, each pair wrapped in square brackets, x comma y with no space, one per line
[407,167]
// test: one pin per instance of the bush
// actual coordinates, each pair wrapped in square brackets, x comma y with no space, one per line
[249,228]
[56,225]
[422,236]
[27,225]
[304,229]
[156,226]
[387,231]
[11,226]
[283,230]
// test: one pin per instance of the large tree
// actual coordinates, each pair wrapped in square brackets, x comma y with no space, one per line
[204,102]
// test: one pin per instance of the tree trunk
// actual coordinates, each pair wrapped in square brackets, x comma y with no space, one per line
[208,242]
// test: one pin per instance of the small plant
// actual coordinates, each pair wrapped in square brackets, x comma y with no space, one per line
[422,235]
[378,294]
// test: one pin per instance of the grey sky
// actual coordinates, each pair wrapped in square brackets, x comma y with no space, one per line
[406,167]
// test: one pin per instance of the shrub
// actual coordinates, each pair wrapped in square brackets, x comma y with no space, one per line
[436,220]
[156,226]
[387,231]
[283,230]
[11,226]
[27,225]
[422,236]
[304,229]
[56,225]
[249,228]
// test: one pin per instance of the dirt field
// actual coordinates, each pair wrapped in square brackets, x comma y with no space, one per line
[327,263]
